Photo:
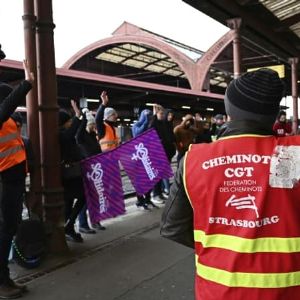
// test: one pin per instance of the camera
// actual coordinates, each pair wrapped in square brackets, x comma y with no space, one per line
[83,103]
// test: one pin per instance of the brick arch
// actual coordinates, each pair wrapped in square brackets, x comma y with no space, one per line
[186,64]
[205,61]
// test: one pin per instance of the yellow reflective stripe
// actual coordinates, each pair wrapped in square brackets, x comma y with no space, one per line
[243,245]
[10,151]
[242,135]
[9,137]
[249,280]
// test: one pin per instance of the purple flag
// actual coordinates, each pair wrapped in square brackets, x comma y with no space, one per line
[144,161]
[103,186]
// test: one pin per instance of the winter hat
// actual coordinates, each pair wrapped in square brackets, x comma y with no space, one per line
[63,117]
[254,96]
[90,118]
[108,111]
[5,90]
[219,117]
[17,117]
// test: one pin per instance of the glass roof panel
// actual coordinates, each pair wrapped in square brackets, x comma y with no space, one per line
[134,63]
[173,73]
[110,57]
[296,28]
[282,9]
[120,51]
[157,55]
[145,58]
[133,47]
[155,68]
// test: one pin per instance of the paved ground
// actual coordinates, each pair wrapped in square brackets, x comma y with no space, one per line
[128,261]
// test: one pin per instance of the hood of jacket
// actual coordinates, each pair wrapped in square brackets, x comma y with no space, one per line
[237,127]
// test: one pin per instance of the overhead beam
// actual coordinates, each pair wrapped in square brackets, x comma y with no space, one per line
[286,23]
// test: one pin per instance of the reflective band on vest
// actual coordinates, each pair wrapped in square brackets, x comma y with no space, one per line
[8,137]
[243,245]
[11,151]
[249,280]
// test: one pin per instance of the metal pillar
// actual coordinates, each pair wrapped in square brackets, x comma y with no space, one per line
[48,111]
[235,25]
[34,200]
[294,79]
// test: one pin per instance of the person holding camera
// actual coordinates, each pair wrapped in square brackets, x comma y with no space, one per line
[185,134]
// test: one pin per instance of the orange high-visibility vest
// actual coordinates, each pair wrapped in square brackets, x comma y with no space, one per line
[245,195]
[110,139]
[12,151]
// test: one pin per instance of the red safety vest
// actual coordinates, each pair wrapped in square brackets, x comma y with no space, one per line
[12,151]
[110,139]
[246,207]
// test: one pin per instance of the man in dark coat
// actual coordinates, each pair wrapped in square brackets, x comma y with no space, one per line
[12,178]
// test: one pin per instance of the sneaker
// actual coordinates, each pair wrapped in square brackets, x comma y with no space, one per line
[21,287]
[87,230]
[98,226]
[158,200]
[142,205]
[73,236]
[152,204]
[163,197]
[8,291]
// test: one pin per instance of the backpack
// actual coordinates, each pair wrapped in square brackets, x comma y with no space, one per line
[29,244]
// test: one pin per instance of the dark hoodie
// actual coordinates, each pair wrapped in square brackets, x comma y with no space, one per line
[10,99]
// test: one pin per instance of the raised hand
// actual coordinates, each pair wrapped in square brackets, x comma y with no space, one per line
[104,98]
[29,76]
[75,108]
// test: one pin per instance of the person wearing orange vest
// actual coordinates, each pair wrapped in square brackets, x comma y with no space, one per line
[106,120]
[236,200]
[13,172]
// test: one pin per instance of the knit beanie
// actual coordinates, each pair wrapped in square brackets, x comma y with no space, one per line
[63,117]
[108,111]
[219,117]
[5,90]
[254,96]
[90,118]
[17,117]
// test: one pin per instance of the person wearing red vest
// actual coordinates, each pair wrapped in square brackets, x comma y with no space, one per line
[106,120]
[12,172]
[282,127]
[236,200]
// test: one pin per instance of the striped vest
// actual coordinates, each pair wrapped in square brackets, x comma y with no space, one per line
[110,140]
[12,151]
[246,203]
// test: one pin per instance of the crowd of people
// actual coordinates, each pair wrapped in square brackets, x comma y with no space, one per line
[192,195]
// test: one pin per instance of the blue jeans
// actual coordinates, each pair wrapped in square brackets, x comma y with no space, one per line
[83,220]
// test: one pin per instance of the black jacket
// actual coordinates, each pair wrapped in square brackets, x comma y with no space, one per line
[177,218]
[166,135]
[69,149]
[7,107]
[87,141]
